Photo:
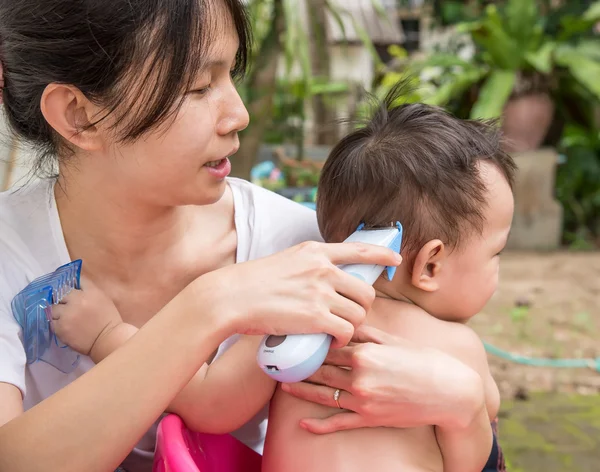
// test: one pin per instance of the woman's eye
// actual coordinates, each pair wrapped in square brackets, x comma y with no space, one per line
[201,91]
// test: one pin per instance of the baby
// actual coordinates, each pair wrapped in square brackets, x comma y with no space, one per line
[450,185]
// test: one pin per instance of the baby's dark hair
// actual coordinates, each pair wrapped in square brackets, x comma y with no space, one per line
[412,163]
[118,53]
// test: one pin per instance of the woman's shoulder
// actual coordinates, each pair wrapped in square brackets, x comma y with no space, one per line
[19,204]
[26,238]
[276,222]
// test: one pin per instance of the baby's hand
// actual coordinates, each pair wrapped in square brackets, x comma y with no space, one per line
[84,317]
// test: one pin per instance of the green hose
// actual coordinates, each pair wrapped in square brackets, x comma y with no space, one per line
[544,362]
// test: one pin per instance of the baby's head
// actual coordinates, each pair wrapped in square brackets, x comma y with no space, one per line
[450,185]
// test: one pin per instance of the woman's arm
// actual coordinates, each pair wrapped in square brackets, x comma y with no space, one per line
[218,399]
[93,423]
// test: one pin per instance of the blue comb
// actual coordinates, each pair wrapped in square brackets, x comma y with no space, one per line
[32,307]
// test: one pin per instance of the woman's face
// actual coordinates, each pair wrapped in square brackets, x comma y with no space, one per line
[185,162]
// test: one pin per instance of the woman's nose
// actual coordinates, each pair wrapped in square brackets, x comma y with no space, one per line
[234,117]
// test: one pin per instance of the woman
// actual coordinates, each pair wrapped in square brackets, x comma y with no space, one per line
[134,102]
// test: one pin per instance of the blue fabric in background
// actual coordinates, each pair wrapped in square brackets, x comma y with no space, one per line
[311,205]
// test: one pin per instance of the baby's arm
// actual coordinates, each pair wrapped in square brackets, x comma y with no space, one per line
[220,398]
[232,390]
[468,451]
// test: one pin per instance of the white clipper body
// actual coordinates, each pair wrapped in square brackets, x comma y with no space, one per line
[295,357]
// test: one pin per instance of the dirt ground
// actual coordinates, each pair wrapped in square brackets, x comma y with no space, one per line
[559,317]
[547,305]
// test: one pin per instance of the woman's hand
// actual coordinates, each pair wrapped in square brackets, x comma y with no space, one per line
[299,290]
[391,383]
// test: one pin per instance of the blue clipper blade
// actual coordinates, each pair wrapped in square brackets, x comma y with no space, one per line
[396,246]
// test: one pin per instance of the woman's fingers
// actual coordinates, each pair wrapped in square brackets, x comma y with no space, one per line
[362,334]
[353,289]
[361,253]
[340,357]
[345,308]
[369,334]
[339,328]
[333,377]
[320,394]
[338,422]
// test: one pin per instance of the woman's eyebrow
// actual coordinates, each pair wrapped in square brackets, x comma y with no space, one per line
[216,63]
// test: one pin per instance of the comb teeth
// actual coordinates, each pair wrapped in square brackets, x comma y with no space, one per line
[31,308]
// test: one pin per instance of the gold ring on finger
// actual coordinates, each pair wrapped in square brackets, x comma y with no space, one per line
[336,397]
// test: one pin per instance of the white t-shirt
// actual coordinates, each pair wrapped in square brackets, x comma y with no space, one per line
[32,244]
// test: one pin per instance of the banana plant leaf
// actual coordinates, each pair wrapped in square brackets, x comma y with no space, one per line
[542,59]
[521,16]
[585,70]
[494,94]
[457,86]
[593,12]
[491,35]
[573,25]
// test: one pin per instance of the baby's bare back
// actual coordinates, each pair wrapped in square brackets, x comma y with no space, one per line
[289,448]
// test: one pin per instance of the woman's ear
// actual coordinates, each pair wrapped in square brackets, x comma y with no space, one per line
[70,113]
[428,265]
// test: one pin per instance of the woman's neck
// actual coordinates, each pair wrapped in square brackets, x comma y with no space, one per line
[116,233]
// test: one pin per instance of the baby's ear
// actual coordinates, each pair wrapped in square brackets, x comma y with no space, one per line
[428,265]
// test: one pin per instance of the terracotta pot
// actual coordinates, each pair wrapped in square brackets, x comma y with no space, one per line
[526,122]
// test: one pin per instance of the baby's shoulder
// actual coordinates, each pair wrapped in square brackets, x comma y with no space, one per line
[416,325]
[455,339]
[404,319]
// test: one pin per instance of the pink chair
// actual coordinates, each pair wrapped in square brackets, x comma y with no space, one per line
[180,450]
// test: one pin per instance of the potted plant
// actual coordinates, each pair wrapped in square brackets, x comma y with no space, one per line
[517,69]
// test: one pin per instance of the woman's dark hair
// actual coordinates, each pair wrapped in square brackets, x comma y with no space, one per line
[117,52]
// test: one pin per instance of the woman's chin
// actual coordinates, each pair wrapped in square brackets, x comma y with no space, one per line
[210,194]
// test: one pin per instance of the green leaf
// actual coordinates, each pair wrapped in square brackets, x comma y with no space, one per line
[454,88]
[585,70]
[504,52]
[589,48]
[541,60]
[328,88]
[468,26]
[574,135]
[302,49]
[521,18]
[593,12]
[290,39]
[571,26]
[397,51]
[444,60]
[494,94]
